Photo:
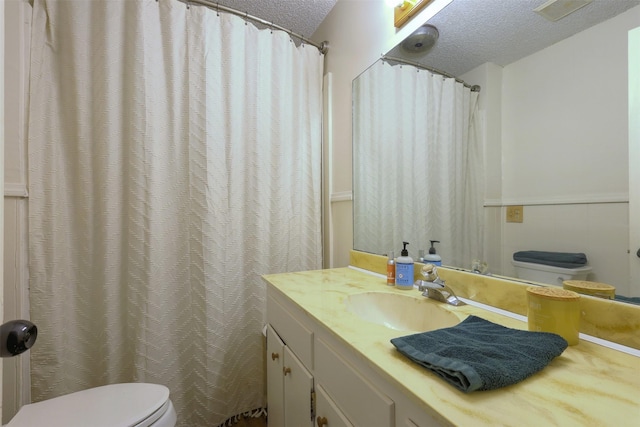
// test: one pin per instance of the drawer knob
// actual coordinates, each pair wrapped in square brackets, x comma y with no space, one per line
[322,421]
[274,356]
[286,371]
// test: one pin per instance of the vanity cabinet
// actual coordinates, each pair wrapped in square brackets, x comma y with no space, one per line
[293,401]
[311,375]
[360,379]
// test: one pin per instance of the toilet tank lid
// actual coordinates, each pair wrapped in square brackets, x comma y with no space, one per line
[127,404]
[551,268]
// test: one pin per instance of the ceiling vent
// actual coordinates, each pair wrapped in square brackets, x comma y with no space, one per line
[554,10]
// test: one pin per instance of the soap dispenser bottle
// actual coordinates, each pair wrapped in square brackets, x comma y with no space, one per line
[404,269]
[432,257]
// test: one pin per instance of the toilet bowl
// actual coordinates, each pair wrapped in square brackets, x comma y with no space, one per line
[549,274]
[115,405]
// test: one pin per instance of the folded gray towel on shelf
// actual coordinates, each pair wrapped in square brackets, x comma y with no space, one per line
[556,259]
[480,355]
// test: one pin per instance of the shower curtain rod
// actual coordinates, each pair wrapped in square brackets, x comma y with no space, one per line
[322,47]
[474,88]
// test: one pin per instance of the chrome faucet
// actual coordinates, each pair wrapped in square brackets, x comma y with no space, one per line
[435,288]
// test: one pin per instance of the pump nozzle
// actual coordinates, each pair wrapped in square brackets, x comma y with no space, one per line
[432,249]
[405,252]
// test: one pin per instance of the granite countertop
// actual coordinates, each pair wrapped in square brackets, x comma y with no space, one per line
[588,384]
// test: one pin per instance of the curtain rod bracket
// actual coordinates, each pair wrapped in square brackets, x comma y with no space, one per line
[324,47]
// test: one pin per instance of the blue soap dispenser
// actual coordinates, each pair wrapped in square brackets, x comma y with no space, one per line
[404,269]
[433,257]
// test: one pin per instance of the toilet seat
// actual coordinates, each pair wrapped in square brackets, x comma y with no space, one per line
[128,404]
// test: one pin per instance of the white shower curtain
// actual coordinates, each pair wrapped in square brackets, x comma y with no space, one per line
[418,164]
[174,157]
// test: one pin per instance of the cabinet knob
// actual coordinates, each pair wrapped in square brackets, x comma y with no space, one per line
[274,356]
[286,370]
[322,421]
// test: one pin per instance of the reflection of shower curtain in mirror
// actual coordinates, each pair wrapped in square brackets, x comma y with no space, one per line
[417,164]
[175,156]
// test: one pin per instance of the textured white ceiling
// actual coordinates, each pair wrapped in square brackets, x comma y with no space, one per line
[300,16]
[472,32]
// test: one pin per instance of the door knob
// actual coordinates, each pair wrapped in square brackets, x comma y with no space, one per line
[322,421]
[286,371]
[17,336]
[274,356]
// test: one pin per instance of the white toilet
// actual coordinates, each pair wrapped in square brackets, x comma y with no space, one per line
[549,274]
[115,405]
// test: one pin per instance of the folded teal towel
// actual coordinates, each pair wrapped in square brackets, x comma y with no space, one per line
[480,355]
[630,300]
[555,259]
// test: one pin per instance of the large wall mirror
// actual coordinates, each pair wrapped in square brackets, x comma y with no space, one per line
[553,137]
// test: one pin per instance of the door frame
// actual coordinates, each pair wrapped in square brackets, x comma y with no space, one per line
[634,156]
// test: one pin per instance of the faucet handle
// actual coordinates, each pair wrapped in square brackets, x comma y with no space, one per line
[478,266]
[429,273]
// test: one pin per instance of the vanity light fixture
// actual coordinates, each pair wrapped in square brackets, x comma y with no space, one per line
[406,9]
[554,10]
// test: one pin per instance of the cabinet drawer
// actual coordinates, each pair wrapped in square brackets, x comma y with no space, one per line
[360,401]
[295,335]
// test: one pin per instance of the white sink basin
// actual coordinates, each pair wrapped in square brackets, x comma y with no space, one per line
[402,312]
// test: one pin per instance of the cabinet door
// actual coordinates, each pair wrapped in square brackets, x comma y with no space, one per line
[298,385]
[327,413]
[275,381]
